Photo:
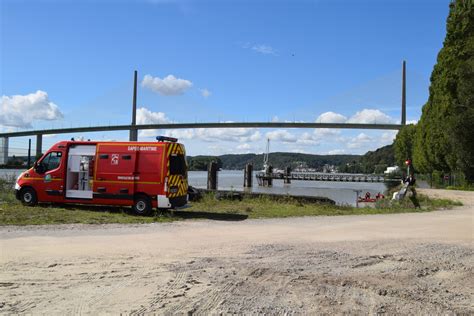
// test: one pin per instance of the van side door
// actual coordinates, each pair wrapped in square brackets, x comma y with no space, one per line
[115,174]
[51,167]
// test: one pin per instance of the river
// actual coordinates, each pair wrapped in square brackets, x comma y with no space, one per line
[340,192]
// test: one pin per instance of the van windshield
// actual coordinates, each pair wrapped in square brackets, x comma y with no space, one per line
[177,165]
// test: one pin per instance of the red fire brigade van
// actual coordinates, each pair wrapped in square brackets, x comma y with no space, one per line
[144,175]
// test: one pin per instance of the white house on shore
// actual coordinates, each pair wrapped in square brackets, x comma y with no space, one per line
[392,170]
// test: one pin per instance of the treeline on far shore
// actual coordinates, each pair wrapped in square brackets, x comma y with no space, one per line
[372,162]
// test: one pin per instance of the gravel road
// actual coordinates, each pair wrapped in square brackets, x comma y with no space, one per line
[419,263]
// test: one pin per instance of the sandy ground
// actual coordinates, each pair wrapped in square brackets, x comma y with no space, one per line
[402,263]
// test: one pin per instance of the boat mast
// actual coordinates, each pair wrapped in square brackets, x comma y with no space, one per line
[265,156]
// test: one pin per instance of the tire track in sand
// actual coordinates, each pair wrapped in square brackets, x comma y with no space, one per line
[167,291]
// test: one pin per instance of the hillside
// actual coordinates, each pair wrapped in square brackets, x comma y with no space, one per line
[370,162]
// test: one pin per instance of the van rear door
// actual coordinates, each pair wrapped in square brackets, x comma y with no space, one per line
[177,171]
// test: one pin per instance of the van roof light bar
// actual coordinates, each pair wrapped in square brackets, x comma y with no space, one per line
[166,139]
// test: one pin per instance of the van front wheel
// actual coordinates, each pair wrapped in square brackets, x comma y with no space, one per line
[28,197]
[142,205]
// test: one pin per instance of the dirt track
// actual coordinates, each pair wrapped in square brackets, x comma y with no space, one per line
[402,263]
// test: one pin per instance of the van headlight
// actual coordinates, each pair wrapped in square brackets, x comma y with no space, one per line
[17,186]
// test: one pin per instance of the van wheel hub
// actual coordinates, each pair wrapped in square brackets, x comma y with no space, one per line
[141,206]
[27,197]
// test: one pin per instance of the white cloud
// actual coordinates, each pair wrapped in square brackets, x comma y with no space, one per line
[281,135]
[260,48]
[209,134]
[170,85]
[227,134]
[388,137]
[325,133]
[275,119]
[299,151]
[317,137]
[331,117]
[370,116]
[414,122]
[359,141]
[177,133]
[23,110]
[244,146]
[366,116]
[205,93]
[216,150]
[145,116]
[220,149]
[337,152]
[264,49]
[307,139]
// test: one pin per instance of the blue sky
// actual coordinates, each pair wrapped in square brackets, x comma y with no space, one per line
[218,61]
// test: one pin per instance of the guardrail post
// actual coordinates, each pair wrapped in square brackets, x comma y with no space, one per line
[3,150]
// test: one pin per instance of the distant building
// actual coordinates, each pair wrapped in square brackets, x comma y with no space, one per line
[391,170]
[329,168]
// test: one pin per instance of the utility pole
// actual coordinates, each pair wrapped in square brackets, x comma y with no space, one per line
[28,164]
[404,95]
[133,130]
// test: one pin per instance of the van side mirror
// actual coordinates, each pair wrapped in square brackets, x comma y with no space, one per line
[39,168]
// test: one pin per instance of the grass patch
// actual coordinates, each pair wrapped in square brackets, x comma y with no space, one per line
[266,207]
[12,212]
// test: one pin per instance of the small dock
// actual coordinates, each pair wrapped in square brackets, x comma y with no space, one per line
[264,178]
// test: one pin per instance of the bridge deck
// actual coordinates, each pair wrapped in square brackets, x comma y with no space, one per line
[203,125]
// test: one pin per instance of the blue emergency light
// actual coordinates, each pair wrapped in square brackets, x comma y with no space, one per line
[166,139]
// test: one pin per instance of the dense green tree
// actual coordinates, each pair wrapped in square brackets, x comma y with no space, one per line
[445,133]
[403,144]
[377,161]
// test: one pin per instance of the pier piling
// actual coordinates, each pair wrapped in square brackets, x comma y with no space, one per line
[287,176]
[212,176]
[248,179]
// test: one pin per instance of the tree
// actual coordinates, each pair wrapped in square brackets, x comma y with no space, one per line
[445,135]
[403,144]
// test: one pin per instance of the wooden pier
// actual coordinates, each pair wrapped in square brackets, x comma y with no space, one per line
[263,177]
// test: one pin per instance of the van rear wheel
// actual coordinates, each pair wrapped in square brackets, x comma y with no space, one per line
[142,205]
[28,197]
